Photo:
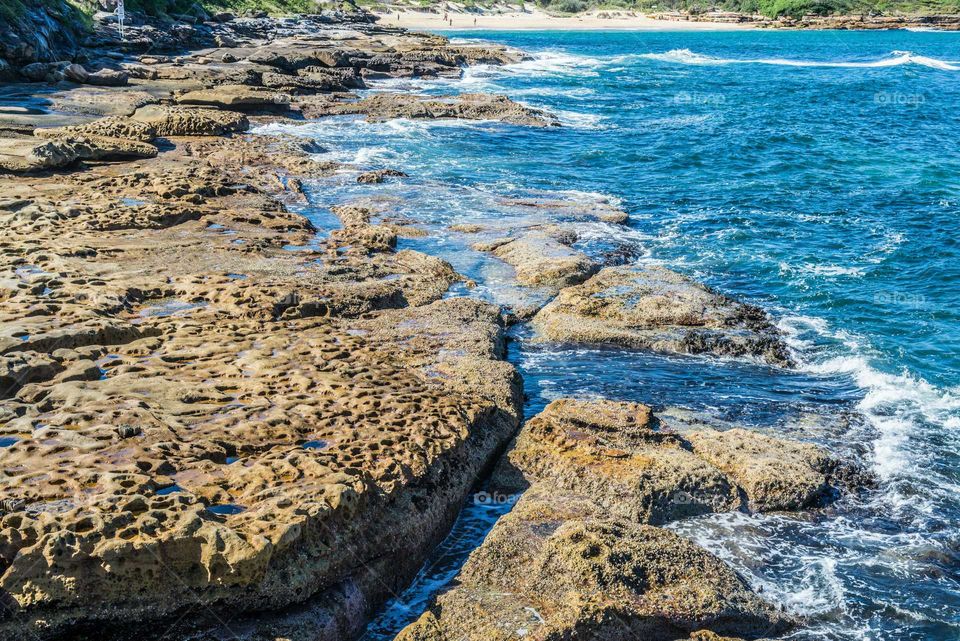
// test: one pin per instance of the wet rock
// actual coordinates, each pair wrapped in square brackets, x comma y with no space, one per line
[542,259]
[775,473]
[24,155]
[464,106]
[379,175]
[556,566]
[572,209]
[181,121]
[657,309]
[614,453]
[621,456]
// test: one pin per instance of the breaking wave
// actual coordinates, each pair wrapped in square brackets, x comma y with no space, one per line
[895,59]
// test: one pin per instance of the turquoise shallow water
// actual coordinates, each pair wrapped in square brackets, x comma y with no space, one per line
[816,174]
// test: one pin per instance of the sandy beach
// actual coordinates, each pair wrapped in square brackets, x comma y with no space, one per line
[535,20]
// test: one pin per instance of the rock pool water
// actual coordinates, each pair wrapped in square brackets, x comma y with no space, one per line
[813,173]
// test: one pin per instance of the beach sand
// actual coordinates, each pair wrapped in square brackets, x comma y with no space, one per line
[534,20]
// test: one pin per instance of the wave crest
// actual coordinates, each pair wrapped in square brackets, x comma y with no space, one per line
[895,59]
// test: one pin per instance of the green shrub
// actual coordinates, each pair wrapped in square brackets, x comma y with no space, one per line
[569,6]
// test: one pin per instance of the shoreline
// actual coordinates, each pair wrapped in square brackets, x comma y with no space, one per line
[622,20]
[234,371]
[535,20]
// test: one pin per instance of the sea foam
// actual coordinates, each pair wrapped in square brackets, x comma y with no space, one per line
[895,59]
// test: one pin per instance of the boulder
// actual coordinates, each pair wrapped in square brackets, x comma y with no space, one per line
[76,73]
[182,121]
[558,567]
[615,453]
[108,78]
[37,71]
[660,310]
[25,155]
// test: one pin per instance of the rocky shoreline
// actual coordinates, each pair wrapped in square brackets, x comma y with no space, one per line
[219,421]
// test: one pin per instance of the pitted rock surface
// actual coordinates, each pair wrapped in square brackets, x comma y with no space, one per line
[658,309]
[205,402]
[183,121]
[543,258]
[559,567]
[631,465]
[465,106]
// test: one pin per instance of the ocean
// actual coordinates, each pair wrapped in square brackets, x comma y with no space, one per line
[815,174]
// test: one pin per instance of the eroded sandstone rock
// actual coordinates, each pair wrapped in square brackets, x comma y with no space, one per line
[91,147]
[180,121]
[619,455]
[543,258]
[558,567]
[25,155]
[109,127]
[775,474]
[464,106]
[657,309]
[235,97]
[195,406]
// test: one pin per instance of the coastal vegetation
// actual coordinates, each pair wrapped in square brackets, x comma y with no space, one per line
[82,9]
[768,8]
[13,9]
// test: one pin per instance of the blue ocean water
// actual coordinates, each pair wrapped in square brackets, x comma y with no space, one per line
[816,174]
